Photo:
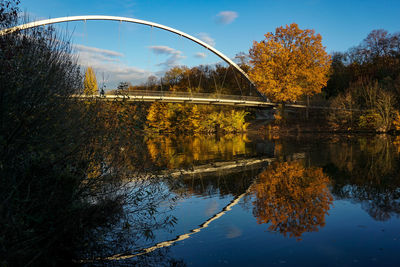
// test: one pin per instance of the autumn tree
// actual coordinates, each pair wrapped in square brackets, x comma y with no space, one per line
[174,78]
[90,82]
[152,82]
[365,80]
[174,117]
[289,63]
[292,199]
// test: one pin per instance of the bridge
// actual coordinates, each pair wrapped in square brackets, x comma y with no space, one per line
[130,20]
[167,96]
[195,98]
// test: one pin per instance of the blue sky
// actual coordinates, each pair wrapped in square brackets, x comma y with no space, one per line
[132,52]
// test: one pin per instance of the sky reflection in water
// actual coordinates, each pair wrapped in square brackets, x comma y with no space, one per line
[323,201]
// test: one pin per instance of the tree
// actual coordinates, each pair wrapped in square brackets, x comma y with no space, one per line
[152,82]
[124,86]
[90,82]
[289,63]
[174,76]
[292,199]
[8,13]
[339,77]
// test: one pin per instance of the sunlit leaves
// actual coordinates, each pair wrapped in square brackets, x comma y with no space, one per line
[289,63]
[170,117]
[90,82]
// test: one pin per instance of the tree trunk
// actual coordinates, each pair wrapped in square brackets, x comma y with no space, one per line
[282,112]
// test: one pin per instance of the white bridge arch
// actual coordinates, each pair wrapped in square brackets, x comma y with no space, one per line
[131,20]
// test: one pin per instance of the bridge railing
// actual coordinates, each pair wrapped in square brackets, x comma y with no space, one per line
[161,94]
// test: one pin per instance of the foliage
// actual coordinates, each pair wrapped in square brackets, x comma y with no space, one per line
[369,73]
[366,106]
[292,199]
[339,76]
[235,122]
[174,76]
[385,109]
[40,129]
[342,115]
[396,121]
[289,63]
[8,13]
[90,82]
[62,162]
[368,120]
[170,117]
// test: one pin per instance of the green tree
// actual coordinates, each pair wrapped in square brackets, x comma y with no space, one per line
[90,82]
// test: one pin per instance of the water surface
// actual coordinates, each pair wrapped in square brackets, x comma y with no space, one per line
[292,201]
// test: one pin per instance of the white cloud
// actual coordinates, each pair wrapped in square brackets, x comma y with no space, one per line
[206,38]
[200,55]
[98,51]
[109,62]
[174,55]
[226,17]
[233,232]
[161,49]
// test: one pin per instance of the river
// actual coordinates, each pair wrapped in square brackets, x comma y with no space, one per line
[247,200]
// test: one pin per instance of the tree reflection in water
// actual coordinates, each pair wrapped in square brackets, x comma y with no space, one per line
[362,168]
[366,170]
[292,199]
[180,151]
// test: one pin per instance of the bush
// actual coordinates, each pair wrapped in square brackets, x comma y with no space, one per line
[341,116]
[57,165]
[180,118]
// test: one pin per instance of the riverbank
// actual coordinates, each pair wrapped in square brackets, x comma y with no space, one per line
[316,121]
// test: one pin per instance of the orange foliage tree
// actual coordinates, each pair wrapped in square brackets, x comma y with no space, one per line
[291,198]
[289,63]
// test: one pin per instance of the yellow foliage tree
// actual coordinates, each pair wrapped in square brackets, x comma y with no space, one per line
[292,199]
[90,82]
[289,63]
[396,120]
[158,116]
[174,78]
[174,117]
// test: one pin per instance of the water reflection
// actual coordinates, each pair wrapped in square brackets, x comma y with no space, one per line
[182,151]
[292,196]
[367,171]
[220,183]
[292,199]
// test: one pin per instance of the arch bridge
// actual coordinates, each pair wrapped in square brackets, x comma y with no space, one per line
[174,97]
[130,20]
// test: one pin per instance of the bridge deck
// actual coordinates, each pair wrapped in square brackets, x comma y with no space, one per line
[197,98]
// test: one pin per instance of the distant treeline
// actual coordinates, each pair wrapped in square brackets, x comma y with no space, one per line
[217,79]
[364,84]
[363,88]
